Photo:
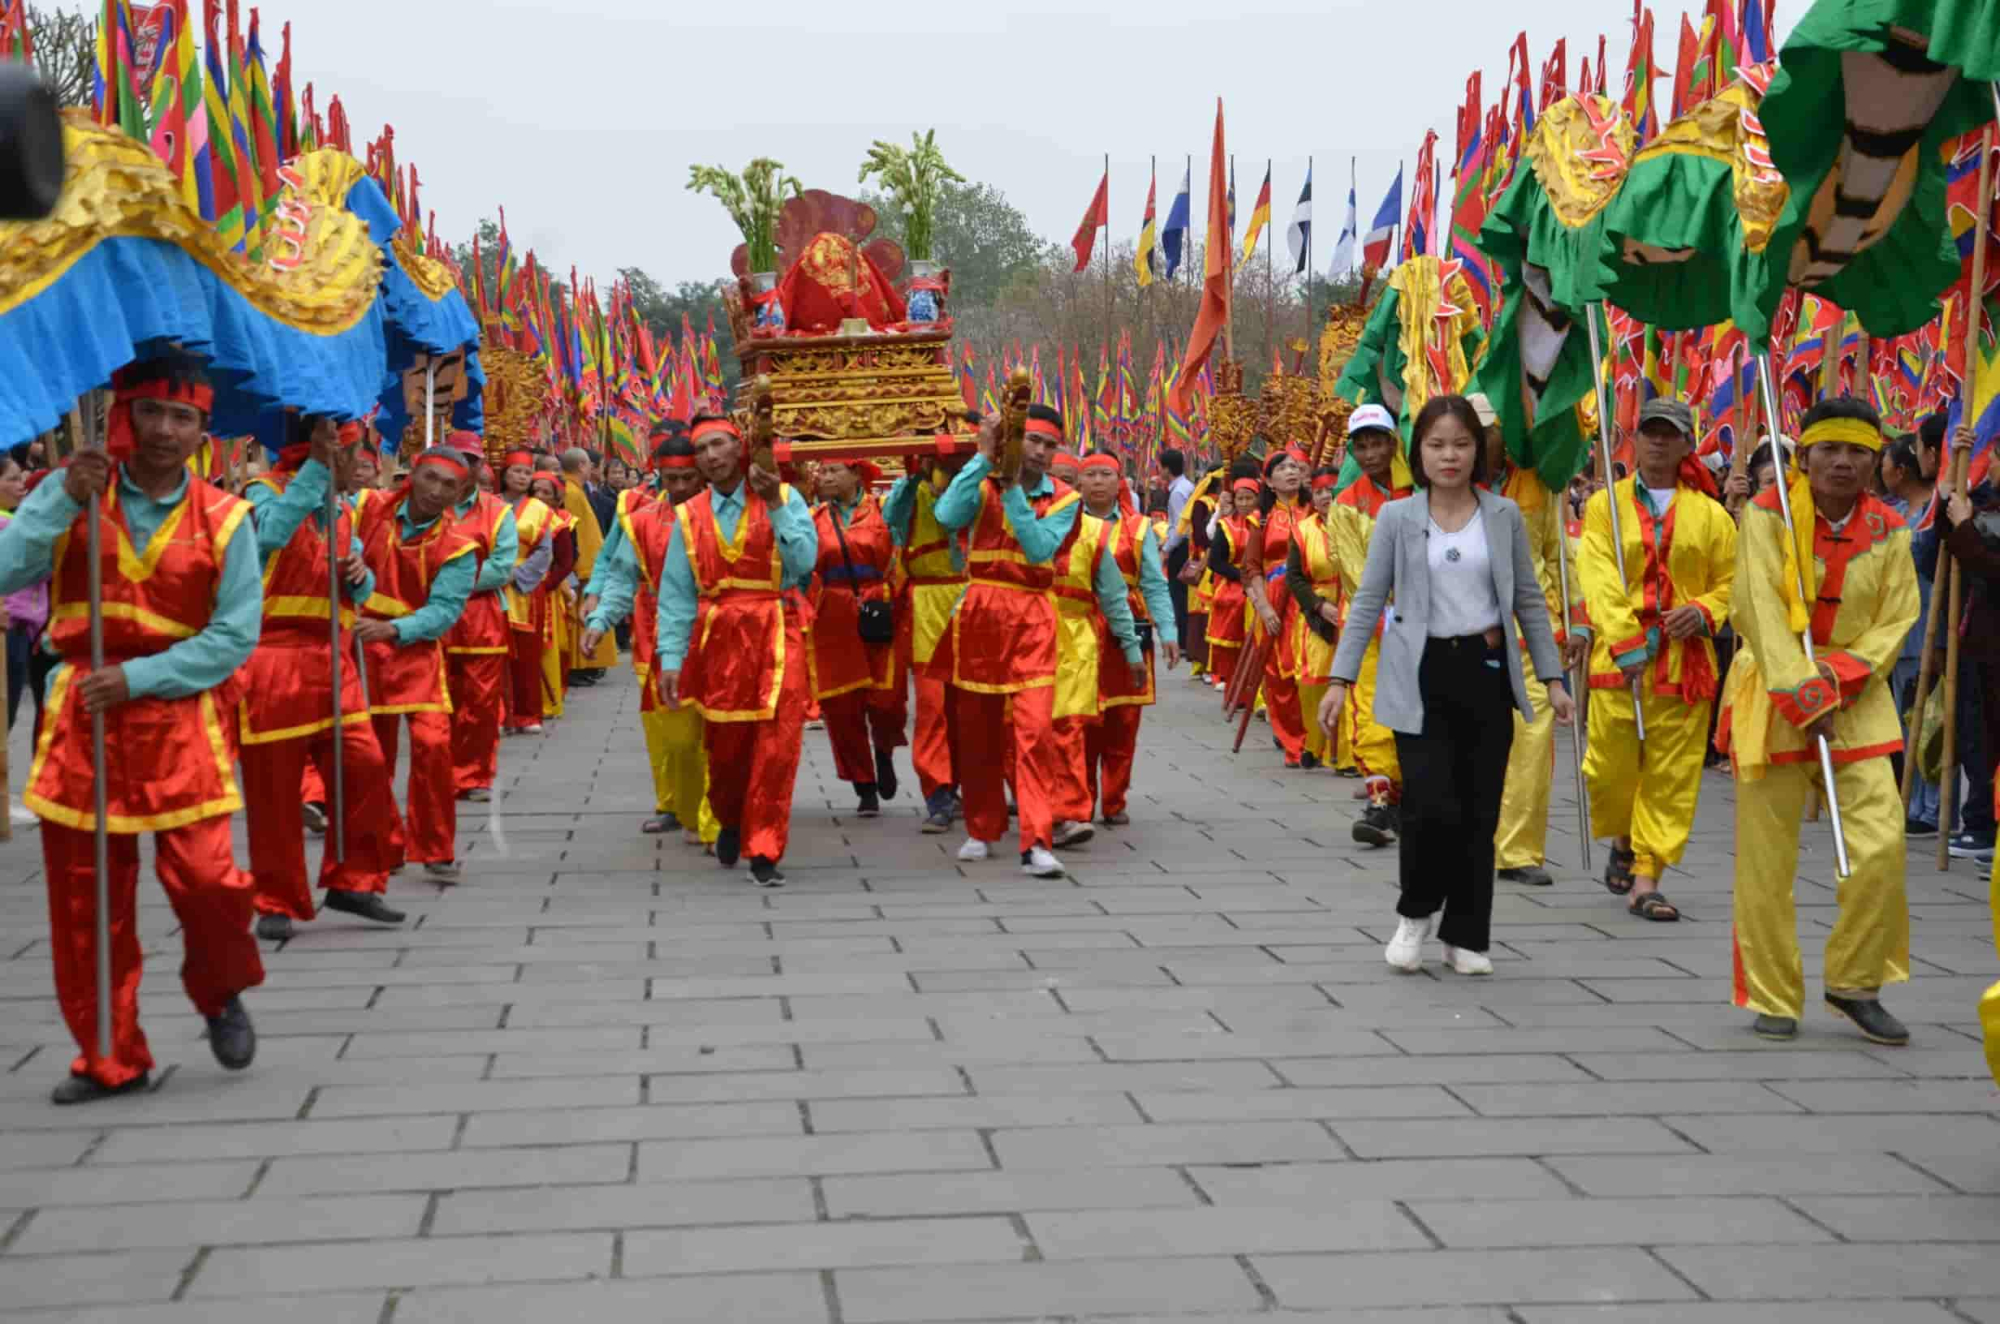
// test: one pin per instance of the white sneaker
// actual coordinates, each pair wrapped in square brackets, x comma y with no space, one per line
[1072,834]
[1038,863]
[974,849]
[21,816]
[1406,949]
[1468,963]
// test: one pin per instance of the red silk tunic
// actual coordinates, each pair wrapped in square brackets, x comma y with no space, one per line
[287,685]
[406,678]
[1116,685]
[648,525]
[1270,545]
[482,627]
[1227,610]
[1003,635]
[170,759]
[840,662]
[735,665]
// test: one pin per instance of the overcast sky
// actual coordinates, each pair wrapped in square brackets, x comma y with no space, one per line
[582,118]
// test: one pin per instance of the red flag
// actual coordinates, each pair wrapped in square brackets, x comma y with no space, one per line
[1586,85]
[1690,55]
[1640,71]
[1555,75]
[1216,265]
[1098,214]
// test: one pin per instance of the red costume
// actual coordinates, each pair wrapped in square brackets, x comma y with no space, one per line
[285,725]
[1003,653]
[168,773]
[1268,548]
[745,670]
[408,680]
[858,685]
[1112,743]
[476,652]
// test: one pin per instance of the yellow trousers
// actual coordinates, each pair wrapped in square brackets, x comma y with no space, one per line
[680,767]
[1645,792]
[1523,837]
[1989,1002]
[1870,943]
[1373,745]
[1316,743]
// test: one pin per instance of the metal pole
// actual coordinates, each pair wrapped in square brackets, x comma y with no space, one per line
[1604,412]
[1309,271]
[1783,484]
[430,403]
[333,597]
[1109,314]
[101,809]
[1576,723]
[1270,279]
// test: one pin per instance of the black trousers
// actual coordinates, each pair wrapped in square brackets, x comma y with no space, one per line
[1453,775]
[1178,591]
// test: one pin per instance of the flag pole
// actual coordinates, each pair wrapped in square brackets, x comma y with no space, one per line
[1270,275]
[1309,269]
[1605,408]
[86,419]
[1569,679]
[1108,313]
[1229,274]
[333,596]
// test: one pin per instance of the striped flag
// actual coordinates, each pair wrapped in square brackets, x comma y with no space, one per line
[1298,235]
[1350,230]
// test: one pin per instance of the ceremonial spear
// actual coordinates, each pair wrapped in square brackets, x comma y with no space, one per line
[84,434]
[1605,407]
[333,596]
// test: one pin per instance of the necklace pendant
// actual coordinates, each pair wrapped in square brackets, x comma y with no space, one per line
[1451,554]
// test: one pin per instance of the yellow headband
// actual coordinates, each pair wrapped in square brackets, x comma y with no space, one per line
[1851,430]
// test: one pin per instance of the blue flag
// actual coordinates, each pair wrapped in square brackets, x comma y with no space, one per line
[1174,237]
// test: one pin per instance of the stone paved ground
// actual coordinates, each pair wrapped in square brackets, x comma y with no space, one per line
[604,1081]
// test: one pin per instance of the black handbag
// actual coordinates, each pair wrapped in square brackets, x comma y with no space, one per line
[874,620]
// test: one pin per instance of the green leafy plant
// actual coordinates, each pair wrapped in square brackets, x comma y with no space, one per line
[753,200]
[915,175]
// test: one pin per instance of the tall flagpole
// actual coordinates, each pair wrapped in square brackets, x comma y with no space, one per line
[1108,314]
[1310,227]
[1270,275]
[1606,407]
[1229,273]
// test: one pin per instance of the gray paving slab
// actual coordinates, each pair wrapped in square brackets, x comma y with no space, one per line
[603,1079]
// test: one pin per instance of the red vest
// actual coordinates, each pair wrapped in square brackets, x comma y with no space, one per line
[287,685]
[1004,631]
[735,664]
[405,679]
[169,759]
[840,661]
[482,628]
[648,525]
[1116,684]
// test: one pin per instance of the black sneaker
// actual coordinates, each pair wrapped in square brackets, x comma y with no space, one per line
[765,872]
[869,806]
[1533,875]
[1971,846]
[1309,760]
[274,928]
[1872,1019]
[1916,827]
[1377,826]
[231,1037]
[315,815]
[85,1089]
[885,773]
[1775,1027]
[937,813]
[367,905]
[728,847]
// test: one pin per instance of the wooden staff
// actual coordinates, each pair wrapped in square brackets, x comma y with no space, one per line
[84,432]
[1739,454]
[1783,484]
[1604,414]
[1576,726]
[333,596]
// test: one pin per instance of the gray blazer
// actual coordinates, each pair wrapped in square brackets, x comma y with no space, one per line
[1399,568]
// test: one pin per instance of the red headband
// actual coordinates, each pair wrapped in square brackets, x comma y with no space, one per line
[443,460]
[1295,453]
[522,458]
[1065,461]
[1108,463]
[1247,485]
[165,388]
[1325,481]
[674,462]
[715,425]
[1041,427]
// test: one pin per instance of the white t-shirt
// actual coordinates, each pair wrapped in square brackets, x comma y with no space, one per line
[1660,497]
[1463,600]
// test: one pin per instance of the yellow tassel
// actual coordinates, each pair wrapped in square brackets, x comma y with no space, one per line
[1800,567]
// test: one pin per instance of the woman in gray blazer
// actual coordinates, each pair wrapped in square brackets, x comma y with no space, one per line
[1451,566]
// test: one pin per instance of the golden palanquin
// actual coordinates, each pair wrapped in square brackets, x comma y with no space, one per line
[856,396]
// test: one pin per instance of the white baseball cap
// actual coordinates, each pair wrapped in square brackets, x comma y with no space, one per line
[1370,416]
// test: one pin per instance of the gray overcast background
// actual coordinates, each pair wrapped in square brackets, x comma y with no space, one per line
[582,118]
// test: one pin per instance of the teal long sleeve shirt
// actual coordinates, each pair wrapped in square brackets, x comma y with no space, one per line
[1039,536]
[798,549]
[497,569]
[190,666]
[279,514]
[449,591]
[1152,577]
[899,512]
[614,539]
[615,584]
